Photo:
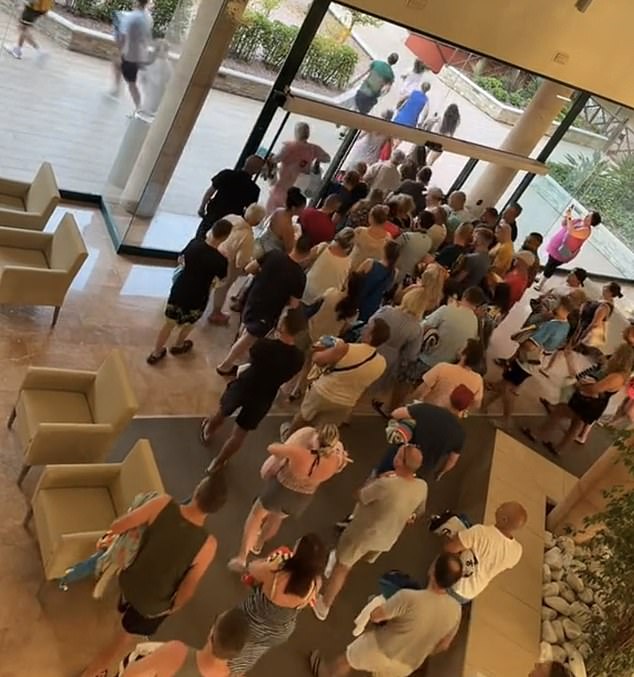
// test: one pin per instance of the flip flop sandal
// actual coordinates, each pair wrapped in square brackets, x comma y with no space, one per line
[204,439]
[314,662]
[152,358]
[185,347]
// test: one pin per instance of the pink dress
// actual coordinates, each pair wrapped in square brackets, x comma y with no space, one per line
[563,246]
[294,159]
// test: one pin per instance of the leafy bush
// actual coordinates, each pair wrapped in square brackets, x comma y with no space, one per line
[501,90]
[258,38]
[162,11]
[602,186]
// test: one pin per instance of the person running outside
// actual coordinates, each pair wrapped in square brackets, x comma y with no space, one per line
[379,78]
[231,191]
[201,266]
[448,126]
[32,11]
[404,631]
[272,362]
[238,250]
[282,587]
[567,242]
[442,379]
[495,549]
[548,337]
[345,371]
[279,281]
[136,38]
[175,552]
[292,475]
[227,638]
[385,506]
[414,109]
[295,159]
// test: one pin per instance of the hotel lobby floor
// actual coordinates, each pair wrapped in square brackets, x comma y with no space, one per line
[115,301]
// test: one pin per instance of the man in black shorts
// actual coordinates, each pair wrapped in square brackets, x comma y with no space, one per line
[273,362]
[279,282]
[33,10]
[135,40]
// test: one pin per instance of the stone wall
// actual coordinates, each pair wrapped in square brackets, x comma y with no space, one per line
[509,115]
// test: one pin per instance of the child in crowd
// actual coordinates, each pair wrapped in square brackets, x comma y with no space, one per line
[201,266]
[533,342]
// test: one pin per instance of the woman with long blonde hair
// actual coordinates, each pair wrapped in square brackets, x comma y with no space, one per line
[432,282]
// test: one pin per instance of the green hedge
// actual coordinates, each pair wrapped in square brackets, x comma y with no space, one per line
[162,11]
[261,39]
[500,89]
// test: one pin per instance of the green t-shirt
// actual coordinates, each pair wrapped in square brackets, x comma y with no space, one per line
[380,74]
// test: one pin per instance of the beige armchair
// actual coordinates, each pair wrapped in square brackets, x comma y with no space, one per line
[29,205]
[67,416]
[38,268]
[73,505]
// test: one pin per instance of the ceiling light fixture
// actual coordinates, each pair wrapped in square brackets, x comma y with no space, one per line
[583,5]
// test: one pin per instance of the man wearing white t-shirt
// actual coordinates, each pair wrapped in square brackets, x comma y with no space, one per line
[494,547]
[135,41]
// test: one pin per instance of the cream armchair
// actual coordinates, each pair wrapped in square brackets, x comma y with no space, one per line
[38,268]
[29,205]
[67,416]
[73,505]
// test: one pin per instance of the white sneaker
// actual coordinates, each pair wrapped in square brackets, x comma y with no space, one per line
[320,609]
[15,52]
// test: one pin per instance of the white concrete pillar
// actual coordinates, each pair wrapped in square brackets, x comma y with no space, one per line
[548,102]
[202,54]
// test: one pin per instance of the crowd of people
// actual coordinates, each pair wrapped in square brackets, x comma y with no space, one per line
[385,289]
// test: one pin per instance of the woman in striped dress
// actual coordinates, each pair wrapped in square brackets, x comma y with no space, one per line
[281,589]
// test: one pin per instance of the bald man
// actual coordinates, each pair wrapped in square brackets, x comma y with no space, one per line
[549,669]
[494,547]
[386,505]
